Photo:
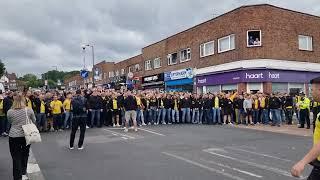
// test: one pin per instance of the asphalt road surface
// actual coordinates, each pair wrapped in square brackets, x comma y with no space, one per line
[176,152]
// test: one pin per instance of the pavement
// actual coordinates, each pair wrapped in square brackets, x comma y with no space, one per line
[171,152]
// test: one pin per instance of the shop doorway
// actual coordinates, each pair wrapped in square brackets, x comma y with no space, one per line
[253,88]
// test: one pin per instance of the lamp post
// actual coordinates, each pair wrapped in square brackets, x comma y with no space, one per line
[92,48]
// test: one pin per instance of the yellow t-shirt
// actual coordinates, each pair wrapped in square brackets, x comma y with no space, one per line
[138,101]
[67,104]
[114,104]
[175,105]
[316,135]
[256,104]
[216,102]
[29,103]
[56,107]
[263,102]
[42,107]
[1,108]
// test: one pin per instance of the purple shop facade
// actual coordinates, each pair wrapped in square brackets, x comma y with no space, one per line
[255,76]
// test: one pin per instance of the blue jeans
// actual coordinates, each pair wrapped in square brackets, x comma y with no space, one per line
[68,119]
[159,115]
[207,118]
[152,115]
[166,114]
[95,114]
[216,117]
[195,116]
[201,116]
[255,116]
[265,116]
[41,121]
[186,116]
[175,116]
[140,117]
[275,113]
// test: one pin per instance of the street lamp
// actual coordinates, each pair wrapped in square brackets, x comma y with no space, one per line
[92,48]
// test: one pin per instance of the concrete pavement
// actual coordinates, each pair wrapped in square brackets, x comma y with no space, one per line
[185,152]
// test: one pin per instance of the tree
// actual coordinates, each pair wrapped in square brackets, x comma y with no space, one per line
[2,68]
[31,80]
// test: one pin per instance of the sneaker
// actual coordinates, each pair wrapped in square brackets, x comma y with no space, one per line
[164,123]
[71,148]
[113,125]
[5,134]
[87,127]
[131,127]
[80,148]
[25,177]
[169,123]
[143,124]
[149,123]
[135,130]
[52,129]
[230,124]
[117,125]
[60,130]
[125,130]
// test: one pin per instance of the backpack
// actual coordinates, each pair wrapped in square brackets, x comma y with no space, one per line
[78,105]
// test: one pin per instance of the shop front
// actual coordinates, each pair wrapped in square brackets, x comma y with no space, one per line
[254,80]
[155,82]
[117,82]
[180,80]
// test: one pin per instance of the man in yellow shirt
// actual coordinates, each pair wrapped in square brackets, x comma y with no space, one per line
[28,100]
[313,156]
[56,106]
[41,110]
[67,112]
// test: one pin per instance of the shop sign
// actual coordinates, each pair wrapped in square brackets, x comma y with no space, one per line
[153,78]
[179,74]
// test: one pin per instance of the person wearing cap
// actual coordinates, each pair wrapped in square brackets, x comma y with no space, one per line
[304,107]
[313,156]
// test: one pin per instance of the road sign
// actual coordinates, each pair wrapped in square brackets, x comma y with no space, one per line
[84,73]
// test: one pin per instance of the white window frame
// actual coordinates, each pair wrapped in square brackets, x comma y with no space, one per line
[130,69]
[309,38]
[155,65]
[169,57]
[137,67]
[111,74]
[227,37]
[117,73]
[146,67]
[203,47]
[248,38]
[188,58]
[123,71]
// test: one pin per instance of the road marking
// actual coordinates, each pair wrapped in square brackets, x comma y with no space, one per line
[203,166]
[260,154]
[33,168]
[152,132]
[124,135]
[124,138]
[235,169]
[263,167]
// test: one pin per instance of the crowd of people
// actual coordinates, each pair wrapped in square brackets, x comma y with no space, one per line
[106,107]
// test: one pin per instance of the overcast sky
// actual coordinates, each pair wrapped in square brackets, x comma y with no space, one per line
[38,34]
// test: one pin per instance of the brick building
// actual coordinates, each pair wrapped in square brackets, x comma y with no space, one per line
[251,48]
[74,82]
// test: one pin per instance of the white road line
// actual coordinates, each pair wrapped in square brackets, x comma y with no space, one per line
[33,168]
[260,154]
[235,169]
[124,138]
[263,167]
[152,132]
[203,166]
[124,135]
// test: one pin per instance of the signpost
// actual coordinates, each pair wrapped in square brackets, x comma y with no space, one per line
[84,73]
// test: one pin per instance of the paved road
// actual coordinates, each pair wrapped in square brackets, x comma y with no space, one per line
[178,152]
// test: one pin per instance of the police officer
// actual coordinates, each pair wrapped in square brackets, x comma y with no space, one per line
[304,106]
[313,157]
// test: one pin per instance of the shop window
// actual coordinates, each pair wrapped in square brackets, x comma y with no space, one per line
[117,73]
[157,63]
[296,88]
[130,69]
[254,38]
[147,65]
[172,58]
[229,88]
[111,74]
[226,43]
[137,67]
[254,87]
[280,87]
[213,89]
[207,49]
[185,55]
[305,43]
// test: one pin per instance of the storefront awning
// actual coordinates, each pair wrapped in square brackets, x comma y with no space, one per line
[152,84]
[179,82]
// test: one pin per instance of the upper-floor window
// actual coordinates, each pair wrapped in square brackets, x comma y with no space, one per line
[305,43]
[172,58]
[123,71]
[117,73]
[130,69]
[147,65]
[157,63]
[137,67]
[111,74]
[226,43]
[207,49]
[185,55]
[254,38]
